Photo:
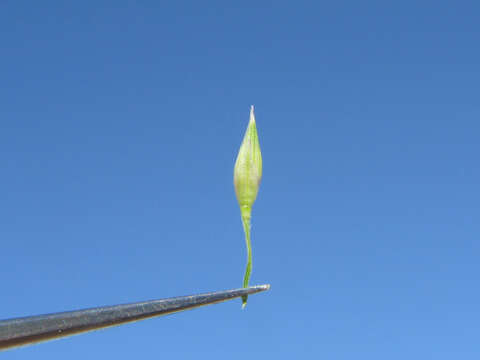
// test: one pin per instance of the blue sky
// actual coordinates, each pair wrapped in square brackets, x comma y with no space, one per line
[120,122]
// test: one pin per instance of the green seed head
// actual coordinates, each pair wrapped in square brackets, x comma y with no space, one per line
[248,168]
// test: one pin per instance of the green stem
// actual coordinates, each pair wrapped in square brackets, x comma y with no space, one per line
[246,216]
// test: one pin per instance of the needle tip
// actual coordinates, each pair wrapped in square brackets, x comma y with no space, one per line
[258,288]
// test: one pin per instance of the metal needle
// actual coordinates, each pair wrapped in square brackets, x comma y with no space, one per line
[32,329]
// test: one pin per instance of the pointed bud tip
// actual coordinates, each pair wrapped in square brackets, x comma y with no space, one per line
[252,114]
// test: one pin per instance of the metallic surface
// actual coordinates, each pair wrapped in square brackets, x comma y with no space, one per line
[32,329]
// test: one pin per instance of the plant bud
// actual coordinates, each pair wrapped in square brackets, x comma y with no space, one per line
[247,174]
[248,168]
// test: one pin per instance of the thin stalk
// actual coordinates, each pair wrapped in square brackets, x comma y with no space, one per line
[246,221]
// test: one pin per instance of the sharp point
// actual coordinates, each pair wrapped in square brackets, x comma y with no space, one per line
[260,287]
[252,113]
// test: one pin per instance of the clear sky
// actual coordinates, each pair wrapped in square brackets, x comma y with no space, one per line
[120,122]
